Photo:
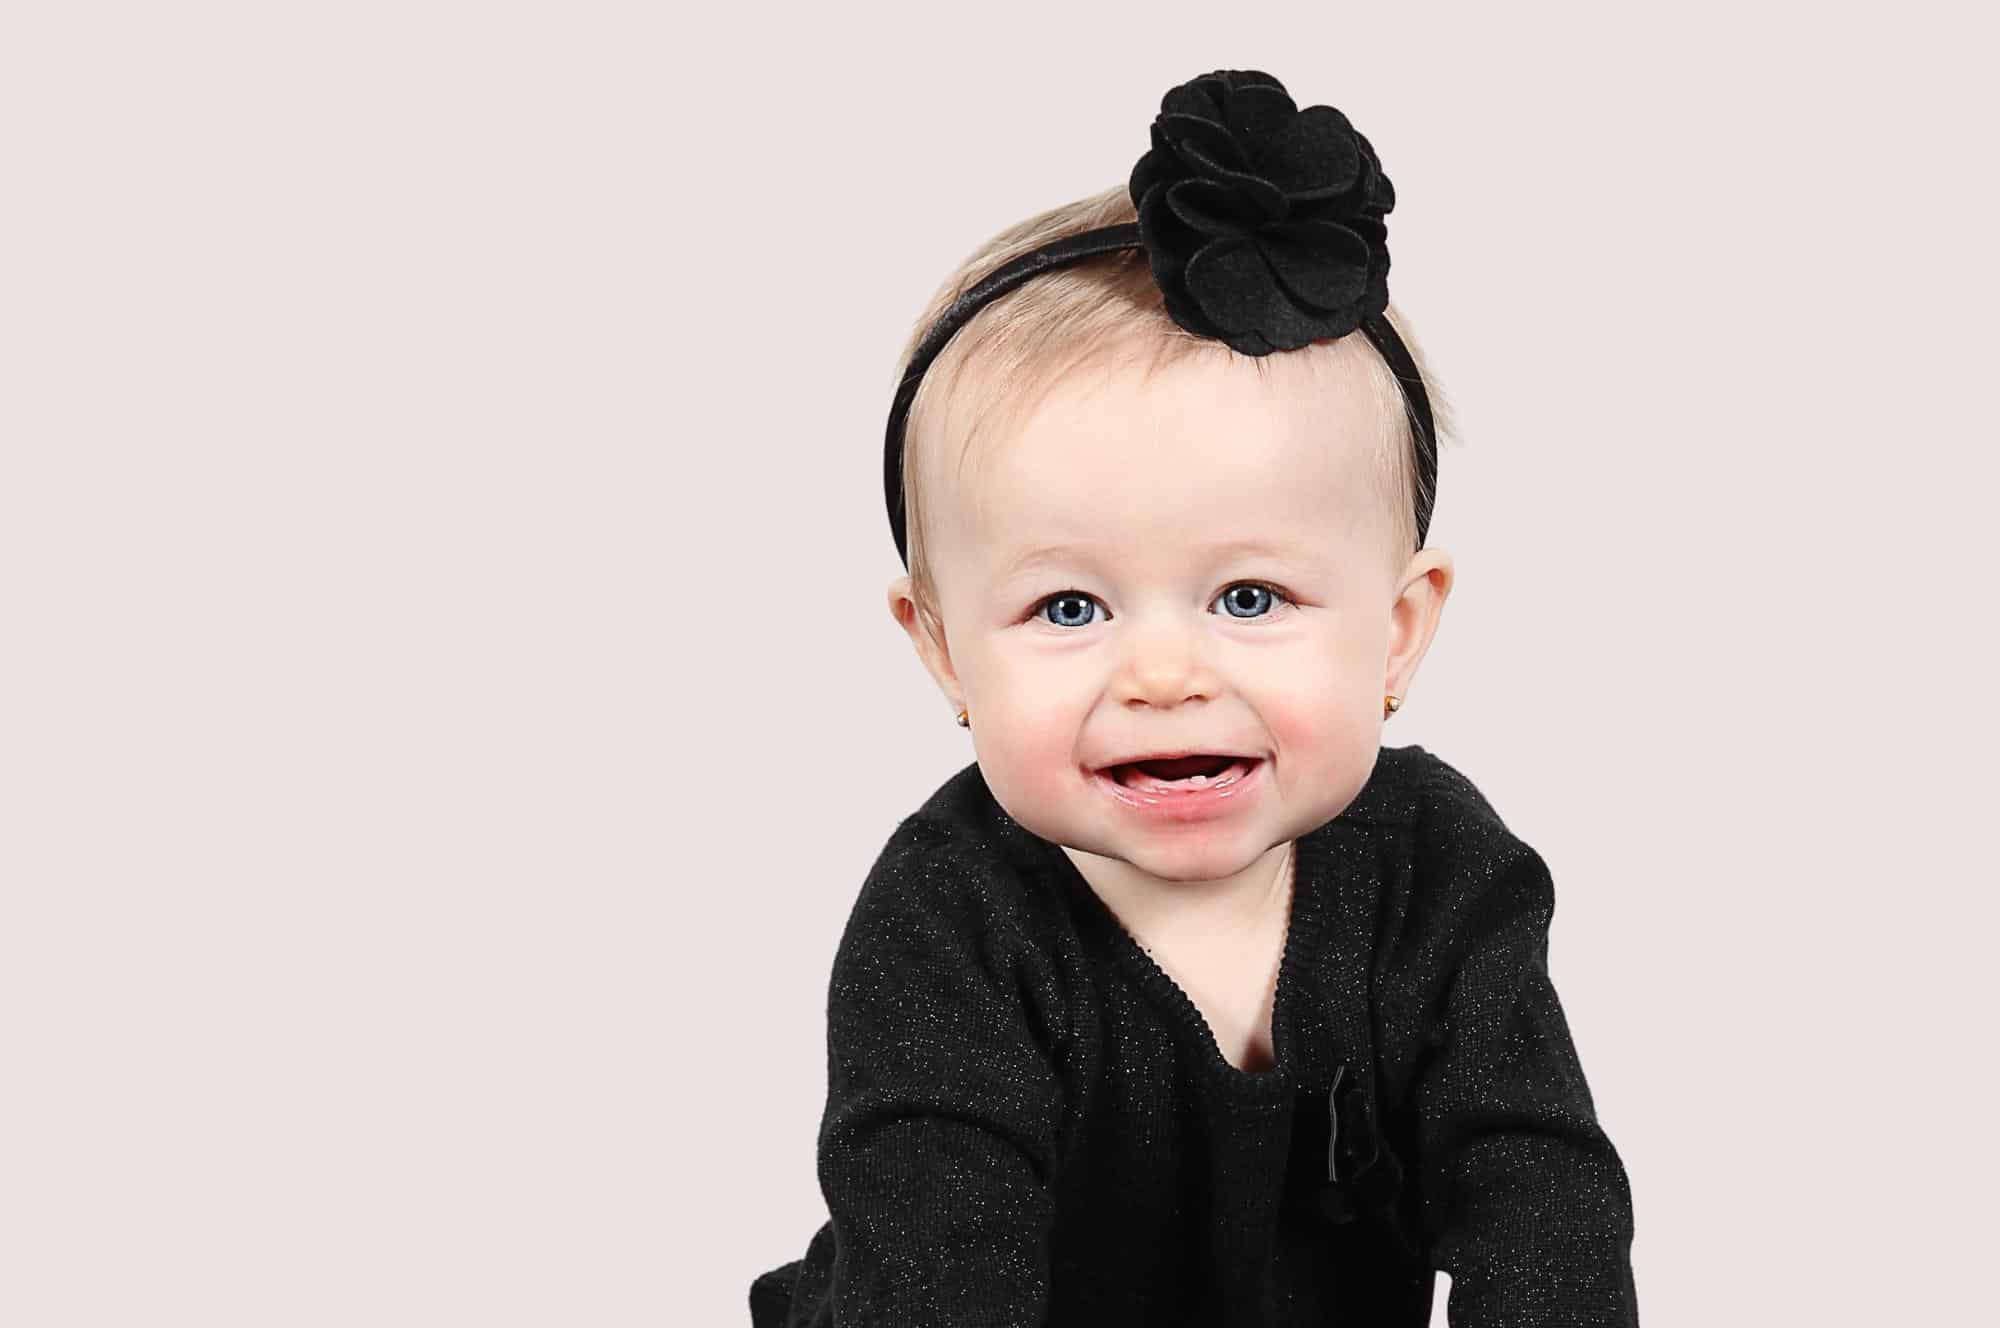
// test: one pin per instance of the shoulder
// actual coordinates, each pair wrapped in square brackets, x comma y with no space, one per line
[927,882]
[961,852]
[1447,811]
[1449,796]
[946,899]
[964,812]
[1415,787]
[1009,875]
[1412,788]
[935,1007]
[1470,873]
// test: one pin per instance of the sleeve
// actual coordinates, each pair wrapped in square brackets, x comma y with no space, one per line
[938,1143]
[1524,1201]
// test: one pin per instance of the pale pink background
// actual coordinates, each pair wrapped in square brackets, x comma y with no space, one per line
[449,703]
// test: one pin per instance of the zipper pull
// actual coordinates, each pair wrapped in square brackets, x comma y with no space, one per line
[1333,1123]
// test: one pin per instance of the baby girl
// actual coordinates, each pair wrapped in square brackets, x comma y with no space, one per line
[1188,1001]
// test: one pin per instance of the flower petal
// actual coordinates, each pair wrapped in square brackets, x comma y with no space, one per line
[1321,263]
[1204,144]
[1255,110]
[1236,288]
[1153,167]
[1379,196]
[1233,284]
[1312,155]
[1213,208]
[1198,97]
[1163,231]
[1267,198]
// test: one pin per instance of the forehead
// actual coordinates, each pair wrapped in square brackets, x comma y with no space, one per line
[1215,450]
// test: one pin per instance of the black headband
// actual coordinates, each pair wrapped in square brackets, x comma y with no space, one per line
[1263,227]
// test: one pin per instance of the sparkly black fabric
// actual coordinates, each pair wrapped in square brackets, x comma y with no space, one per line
[1029,1123]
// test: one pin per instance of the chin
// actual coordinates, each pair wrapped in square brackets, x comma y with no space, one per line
[1207,862]
[1200,856]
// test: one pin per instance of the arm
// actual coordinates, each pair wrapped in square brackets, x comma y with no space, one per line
[938,1141]
[1525,1203]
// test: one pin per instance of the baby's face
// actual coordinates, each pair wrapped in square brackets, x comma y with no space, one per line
[1198,562]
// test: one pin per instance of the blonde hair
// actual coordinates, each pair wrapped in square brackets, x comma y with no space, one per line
[1105,309]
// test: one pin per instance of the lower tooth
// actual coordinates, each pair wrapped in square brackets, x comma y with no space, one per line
[1191,782]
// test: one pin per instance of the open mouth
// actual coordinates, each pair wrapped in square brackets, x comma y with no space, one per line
[1180,773]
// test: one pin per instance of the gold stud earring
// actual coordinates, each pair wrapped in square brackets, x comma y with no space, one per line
[963,721]
[1390,704]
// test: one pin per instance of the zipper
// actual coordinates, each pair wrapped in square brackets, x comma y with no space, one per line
[1333,1123]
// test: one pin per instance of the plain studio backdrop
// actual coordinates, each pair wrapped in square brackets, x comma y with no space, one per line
[449,705]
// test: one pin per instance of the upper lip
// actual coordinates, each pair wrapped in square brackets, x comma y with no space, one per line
[1176,754]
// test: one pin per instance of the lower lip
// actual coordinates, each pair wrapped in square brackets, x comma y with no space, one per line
[1190,804]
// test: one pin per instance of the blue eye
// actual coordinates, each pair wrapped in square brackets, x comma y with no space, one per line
[1257,592]
[1065,598]
[1074,606]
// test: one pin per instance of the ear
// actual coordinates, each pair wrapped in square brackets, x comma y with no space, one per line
[1414,617]
[926,633]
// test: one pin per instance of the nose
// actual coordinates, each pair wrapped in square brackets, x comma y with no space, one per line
[1164,665]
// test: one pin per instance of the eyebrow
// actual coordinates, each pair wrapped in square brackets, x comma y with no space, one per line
[1063,552]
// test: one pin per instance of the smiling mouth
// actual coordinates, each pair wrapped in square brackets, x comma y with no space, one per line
[1180,773]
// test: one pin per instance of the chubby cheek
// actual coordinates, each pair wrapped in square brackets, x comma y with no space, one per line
[1027,741]
[1326,729]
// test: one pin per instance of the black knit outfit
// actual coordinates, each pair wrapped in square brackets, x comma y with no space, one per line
[1029,1124]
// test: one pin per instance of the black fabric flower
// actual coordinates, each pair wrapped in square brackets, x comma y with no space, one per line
[1263,222]
[1342,1172]
[1362,1175]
